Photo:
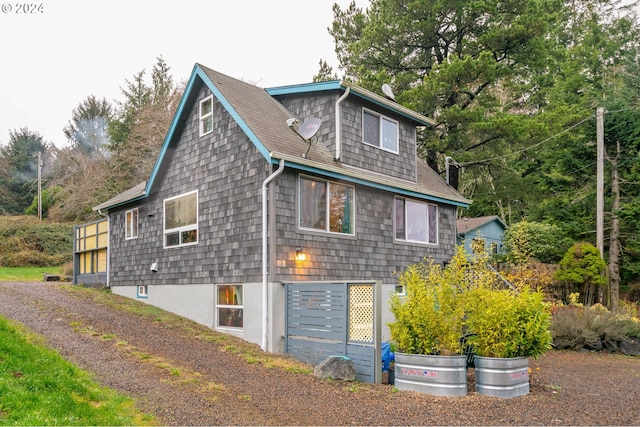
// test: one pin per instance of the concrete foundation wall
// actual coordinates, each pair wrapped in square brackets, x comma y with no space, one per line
[198,303]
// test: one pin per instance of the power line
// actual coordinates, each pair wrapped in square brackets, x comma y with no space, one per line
[532,146]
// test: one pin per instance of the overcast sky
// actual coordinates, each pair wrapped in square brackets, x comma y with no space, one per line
[52,59]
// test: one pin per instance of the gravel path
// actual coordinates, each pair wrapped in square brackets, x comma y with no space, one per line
[190,378]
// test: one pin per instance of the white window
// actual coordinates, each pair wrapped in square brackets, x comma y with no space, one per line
[181,220]
[379,131]
[131,224]
[229,306]
[142,291]
[326,206]
[206,116]
[416,221]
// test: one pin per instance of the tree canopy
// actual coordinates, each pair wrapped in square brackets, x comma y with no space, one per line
[113,147]
[19,166]
[513,87]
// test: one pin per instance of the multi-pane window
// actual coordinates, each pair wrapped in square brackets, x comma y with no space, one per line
[229,306]
[416,221]
[206,116]
[181,220]
[91,241]
[380,131]
[326,206]
[131,224]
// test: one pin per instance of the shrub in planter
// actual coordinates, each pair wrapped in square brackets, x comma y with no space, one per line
[506,327]
[428,326]
[508,323]
[429,317]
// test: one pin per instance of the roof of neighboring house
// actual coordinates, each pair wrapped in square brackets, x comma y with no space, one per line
[465,225]
[264,121]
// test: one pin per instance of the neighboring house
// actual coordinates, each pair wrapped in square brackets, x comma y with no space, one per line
[281,215]
[487,230]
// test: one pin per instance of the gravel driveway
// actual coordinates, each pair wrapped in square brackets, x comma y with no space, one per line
[187,377]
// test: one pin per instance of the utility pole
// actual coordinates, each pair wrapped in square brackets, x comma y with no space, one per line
[600,181]
[40,186]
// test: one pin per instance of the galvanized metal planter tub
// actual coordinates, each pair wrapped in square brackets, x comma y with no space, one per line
[502,377]
[435,375]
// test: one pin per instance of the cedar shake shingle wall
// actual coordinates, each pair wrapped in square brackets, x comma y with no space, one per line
[354,151]
[316,106]
[227,171]
[371,254]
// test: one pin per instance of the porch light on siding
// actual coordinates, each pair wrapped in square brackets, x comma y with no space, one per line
[300,255]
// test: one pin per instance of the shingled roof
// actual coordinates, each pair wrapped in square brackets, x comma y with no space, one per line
[264,121]
[465,225]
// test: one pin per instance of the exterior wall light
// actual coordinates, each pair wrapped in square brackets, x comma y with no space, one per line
[300,255]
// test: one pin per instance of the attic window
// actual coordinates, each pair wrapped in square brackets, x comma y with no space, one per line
[379,131]
[206,116]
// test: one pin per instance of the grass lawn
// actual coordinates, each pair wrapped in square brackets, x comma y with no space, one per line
[38,387]
[27,274]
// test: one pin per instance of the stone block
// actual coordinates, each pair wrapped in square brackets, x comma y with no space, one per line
[631,347]
[337,368]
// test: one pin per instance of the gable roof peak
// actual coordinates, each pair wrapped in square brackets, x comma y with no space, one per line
[263,119]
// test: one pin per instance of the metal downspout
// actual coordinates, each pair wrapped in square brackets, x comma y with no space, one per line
[265,270]
[339,124]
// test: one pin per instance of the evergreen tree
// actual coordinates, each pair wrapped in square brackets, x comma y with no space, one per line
[19,158]
[88,128]
[325,73]
[142,126]
[513,87]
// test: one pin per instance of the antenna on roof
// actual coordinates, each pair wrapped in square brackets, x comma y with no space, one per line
[386,89]
[306,130]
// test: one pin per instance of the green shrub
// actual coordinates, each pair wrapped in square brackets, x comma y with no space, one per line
[429,317]
[524,241]
[581,271]
[28,242]
[49,197]
[507,323]
[444,304]
[575,327]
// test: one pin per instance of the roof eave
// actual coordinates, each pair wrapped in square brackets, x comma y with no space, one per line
[339,173]
[107,206]
[356,90]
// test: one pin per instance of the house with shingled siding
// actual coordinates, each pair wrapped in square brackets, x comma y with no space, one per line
[281,215]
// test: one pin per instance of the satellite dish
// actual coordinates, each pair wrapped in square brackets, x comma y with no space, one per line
[308,129]
[386,89]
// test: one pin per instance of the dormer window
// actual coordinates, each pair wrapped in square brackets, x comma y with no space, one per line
[206,116]
[379,131]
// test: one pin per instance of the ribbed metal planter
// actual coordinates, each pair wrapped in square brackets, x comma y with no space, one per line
[502,377]
[435,375]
